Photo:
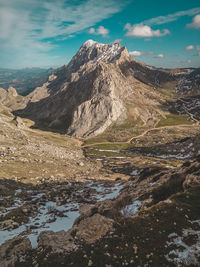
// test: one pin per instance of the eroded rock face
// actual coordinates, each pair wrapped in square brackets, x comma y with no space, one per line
[12,91]
[85,97]
[13,250]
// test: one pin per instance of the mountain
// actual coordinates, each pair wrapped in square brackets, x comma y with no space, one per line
[103,85]
[94,90]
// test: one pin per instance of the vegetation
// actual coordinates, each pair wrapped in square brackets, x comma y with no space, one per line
[174,119]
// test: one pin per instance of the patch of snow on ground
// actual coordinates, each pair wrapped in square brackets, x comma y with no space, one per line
[134,173]
[184,255]
[45,220]
[53,217]
[105,193]
[131,209]
[178,156]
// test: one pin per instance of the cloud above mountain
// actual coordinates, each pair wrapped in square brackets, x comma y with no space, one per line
[171,17]
[101,30]
[141,30]
[31,28]
[195,23]
[140,53]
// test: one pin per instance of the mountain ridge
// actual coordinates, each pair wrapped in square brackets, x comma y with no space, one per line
[95,88]
[102,85]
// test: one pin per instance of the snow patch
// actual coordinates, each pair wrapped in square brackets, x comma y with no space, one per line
[131,209]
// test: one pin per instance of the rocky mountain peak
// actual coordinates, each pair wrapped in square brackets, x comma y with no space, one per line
[101,85]
[90,93]
[90,43]
[94,52]
[12,91]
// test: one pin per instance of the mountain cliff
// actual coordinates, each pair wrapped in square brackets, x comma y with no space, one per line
[94,90]
[102,85]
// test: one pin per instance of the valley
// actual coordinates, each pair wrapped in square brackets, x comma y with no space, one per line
[100,165]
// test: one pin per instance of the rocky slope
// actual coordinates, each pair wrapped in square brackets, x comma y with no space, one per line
[102,85]
[114,223]
[93,91]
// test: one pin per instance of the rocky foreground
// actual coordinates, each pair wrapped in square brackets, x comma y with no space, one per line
[151,219]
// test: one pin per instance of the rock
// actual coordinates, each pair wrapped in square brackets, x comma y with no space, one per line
[85,210]
[12,250]
[59,242]
[93,228]
[2,187]
[90,263]
[25,210]
[2,209]
[191,181]
[12,91]
[8,225]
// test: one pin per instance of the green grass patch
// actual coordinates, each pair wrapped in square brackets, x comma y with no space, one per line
[113,146]
[174,119]
[96,139]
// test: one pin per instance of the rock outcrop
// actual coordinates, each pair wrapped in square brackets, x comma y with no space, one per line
[14,250]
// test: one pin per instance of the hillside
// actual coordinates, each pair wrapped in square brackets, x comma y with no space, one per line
[99,160]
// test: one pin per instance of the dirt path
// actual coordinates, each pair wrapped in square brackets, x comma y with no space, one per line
[140,135]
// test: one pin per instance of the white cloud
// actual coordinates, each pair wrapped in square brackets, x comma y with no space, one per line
[117,41]
[101,30]
[141,30]
[135,53]
[92,30]
[171,17]
[160,56]
[189,47]
[192,47]
[195,23]
[31,27]
[140,53]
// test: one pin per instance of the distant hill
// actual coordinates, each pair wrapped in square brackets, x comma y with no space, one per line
[24,80]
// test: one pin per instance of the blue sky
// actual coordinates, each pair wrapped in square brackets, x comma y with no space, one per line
[47,33]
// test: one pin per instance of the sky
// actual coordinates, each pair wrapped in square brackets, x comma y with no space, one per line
[47,33]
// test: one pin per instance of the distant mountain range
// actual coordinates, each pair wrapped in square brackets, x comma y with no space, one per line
[23,80]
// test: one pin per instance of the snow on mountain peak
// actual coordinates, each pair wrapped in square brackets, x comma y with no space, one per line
[90,43]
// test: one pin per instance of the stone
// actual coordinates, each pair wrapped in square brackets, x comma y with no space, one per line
[59,242]
[93,228]
[90,263]
[12,250]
